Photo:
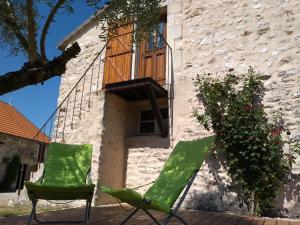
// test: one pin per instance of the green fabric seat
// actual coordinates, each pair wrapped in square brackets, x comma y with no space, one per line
[65,175]
[133,198]
[178,173]
[40,191]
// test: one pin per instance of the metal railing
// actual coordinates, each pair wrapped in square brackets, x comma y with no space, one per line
[79,96]
[81,92]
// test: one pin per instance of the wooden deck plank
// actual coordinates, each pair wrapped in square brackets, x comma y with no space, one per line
[294,222]
[191,217]
[270,222]
[195,217]
[258,221]
[232,221]
[245,220]
[209,220]
[282,222]
[223,219]
[115,215]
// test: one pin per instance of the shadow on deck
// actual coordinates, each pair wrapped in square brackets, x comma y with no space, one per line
[115,215]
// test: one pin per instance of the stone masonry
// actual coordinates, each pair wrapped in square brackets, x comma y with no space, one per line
[9,147]
[207,36]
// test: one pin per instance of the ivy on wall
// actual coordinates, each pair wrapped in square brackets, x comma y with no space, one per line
[252,144]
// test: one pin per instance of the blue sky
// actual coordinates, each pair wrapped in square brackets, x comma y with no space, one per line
[39,101]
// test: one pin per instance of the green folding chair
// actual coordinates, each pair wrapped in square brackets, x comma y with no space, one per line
[178,173]
[66,177]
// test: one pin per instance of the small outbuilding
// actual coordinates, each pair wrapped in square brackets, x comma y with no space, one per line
[20,151]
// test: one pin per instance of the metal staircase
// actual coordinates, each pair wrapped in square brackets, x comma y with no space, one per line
[70,108]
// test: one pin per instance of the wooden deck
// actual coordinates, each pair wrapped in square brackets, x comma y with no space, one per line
[114,215]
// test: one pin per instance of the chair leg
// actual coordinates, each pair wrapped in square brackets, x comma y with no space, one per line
[34,215]
[33,212]
[152,217]
[180,219]
[87,211]
[167,220]
[131,214]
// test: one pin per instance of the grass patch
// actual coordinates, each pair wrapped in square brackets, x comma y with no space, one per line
[21,210]
[13,211]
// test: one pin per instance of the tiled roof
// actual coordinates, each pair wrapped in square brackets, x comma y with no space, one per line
[14,123]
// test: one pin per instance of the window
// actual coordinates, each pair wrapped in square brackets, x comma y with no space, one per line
[148,123]
[23,175]
[155,38]
[41,153]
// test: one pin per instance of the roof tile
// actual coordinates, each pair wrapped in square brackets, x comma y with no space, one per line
[14,123]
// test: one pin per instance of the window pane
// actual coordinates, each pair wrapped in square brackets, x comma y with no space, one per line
[160,40]
[147,127]
[151,41]
[147,115]
[155,39]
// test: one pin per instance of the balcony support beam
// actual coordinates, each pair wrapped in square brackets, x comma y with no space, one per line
[136,90]
[156,111]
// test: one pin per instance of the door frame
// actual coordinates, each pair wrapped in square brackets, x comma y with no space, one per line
[142,52]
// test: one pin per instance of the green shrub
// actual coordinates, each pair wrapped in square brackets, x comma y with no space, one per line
[253,145]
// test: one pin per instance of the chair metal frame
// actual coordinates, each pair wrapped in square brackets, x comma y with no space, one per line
[33,214]
[173,212]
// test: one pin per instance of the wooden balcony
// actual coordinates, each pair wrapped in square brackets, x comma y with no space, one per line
[137,90]
[142,71]
[129,68]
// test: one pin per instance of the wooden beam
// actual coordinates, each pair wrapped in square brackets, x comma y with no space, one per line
[156,111]
[136,90]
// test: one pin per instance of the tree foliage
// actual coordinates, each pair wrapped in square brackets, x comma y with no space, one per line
[20,22]
[144,14]
[24,30]
[253,145]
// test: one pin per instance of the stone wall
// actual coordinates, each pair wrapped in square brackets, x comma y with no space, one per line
[113,153]
[146,156]
[206,36]
[213,37]
[10,146]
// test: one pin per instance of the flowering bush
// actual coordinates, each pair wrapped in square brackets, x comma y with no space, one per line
[253,145]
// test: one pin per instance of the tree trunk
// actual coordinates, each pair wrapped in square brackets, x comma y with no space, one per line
[254,204]
[251,208]
[34,74]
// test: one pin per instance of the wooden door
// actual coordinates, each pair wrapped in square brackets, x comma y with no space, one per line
[118,56]
[152,56]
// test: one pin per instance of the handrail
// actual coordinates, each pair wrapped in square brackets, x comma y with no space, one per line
[69,94]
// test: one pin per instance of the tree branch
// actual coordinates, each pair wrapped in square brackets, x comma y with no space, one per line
[10,21]
[47,26]
[34,75]
[31,29]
